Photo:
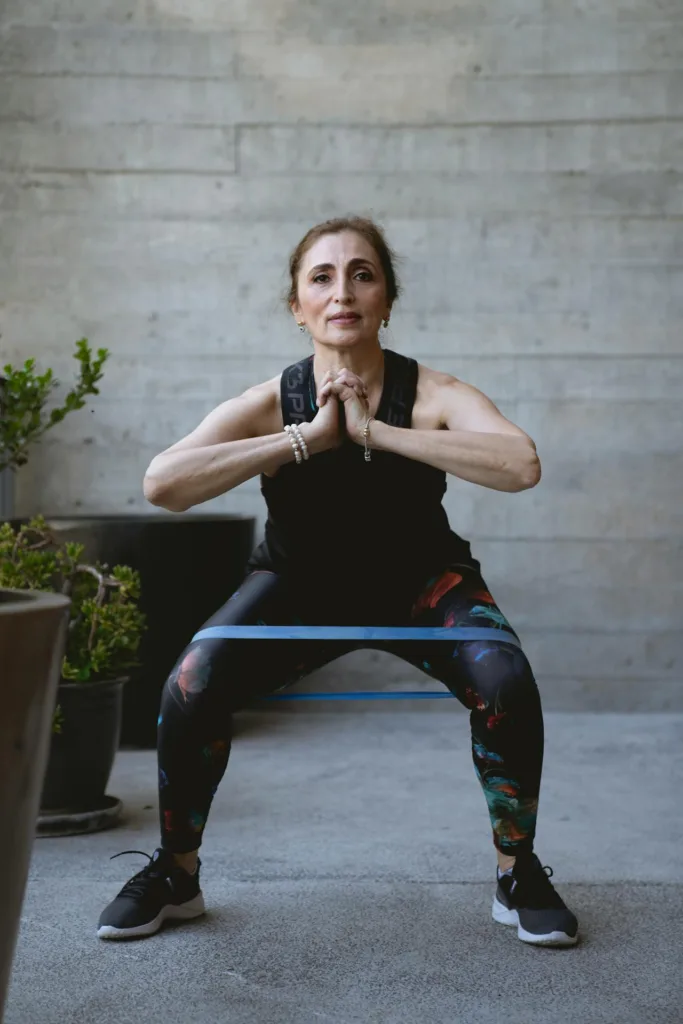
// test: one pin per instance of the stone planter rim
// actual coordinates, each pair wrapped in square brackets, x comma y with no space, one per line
[91,684]
[29,602]
[144,517]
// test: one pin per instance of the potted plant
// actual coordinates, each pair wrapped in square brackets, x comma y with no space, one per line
[104,632]
[187,562]
[24,419]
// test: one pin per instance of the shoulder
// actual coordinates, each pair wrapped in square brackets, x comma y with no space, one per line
[435,391]
[266,391]
[255,409]
[263,401]
[452,404]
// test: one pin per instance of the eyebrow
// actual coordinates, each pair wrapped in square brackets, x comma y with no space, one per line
[330,266]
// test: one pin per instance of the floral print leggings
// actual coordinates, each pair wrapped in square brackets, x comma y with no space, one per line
[215,677]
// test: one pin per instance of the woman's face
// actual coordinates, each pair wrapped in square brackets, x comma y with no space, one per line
[341,290]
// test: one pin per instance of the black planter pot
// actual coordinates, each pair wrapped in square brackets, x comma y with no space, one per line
[189,565]
[82,754]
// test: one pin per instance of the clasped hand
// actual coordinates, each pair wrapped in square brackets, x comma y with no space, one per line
[350,390]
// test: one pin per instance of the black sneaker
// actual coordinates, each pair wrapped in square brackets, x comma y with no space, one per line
[526,898]
[162,890]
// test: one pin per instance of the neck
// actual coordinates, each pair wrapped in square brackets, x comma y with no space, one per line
[367,362]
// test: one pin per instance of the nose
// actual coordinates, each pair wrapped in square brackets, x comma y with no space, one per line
[343,291]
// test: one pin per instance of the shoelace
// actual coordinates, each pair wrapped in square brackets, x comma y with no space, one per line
[137,885]
[534,888]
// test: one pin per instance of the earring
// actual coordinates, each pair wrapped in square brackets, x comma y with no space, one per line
[302,326]
[385,323]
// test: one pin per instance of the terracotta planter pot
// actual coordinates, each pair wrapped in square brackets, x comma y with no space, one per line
[32,639]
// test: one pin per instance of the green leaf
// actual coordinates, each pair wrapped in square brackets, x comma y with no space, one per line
[105,623]
[24,395]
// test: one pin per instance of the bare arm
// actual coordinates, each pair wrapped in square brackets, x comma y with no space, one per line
[241,438]
[478,443]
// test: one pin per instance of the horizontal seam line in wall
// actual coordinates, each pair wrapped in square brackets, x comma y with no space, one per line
[101,217]
[360,126]
[421,126]
[244,176]
[472,76]
[587,631]
[257,357]
[675,402]
[571,356]
[234,217]
[118,75]
[588,19]
[674,538]
[464,178]
[144,172]
[147,24]
[461,177]
[621,677]
[574,357]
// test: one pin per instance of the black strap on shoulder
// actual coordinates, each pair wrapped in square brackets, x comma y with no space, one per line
[400,389]
[294,392]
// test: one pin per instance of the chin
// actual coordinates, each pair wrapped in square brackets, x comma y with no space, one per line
[347,332]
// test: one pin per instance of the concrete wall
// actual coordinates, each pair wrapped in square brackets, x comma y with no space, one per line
[159,159]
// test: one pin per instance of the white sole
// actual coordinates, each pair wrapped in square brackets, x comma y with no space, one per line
[184,912]
[502,915]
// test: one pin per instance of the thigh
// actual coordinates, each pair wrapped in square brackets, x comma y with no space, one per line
[236,670]
[458,596]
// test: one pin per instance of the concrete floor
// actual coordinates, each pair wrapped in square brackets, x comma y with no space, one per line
[348,873]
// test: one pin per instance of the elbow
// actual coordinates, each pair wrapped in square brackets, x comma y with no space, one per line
[159,494]
[530,474]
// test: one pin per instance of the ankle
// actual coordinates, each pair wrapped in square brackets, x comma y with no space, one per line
[187,861]
[505,863]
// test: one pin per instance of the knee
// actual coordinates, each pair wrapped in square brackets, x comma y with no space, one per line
[191,677]
[499,676]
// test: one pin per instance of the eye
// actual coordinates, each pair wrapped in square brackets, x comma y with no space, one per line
[319,276]
[367,277]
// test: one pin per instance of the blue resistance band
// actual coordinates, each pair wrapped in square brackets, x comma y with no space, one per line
[364,695]
[358,633]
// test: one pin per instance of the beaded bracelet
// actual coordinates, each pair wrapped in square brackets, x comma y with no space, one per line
[300,438]
[294,443]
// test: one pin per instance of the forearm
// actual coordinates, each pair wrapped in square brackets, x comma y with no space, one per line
[502,462]
[178,480]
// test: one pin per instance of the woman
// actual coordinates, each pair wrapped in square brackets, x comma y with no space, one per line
[353,445]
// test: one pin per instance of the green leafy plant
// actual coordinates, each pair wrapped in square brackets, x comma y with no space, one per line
[105,623]
[24,395]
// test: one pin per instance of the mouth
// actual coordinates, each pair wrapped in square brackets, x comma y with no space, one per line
[345,318]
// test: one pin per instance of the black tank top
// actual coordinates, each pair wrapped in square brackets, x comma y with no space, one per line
[379,525]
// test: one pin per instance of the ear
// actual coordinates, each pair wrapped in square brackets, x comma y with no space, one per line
[296,310]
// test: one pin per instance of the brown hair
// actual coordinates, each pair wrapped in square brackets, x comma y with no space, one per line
[362,226]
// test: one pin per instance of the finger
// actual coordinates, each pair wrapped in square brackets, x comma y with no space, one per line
[324,392]
[345,393]
[328,378]
[352,381]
